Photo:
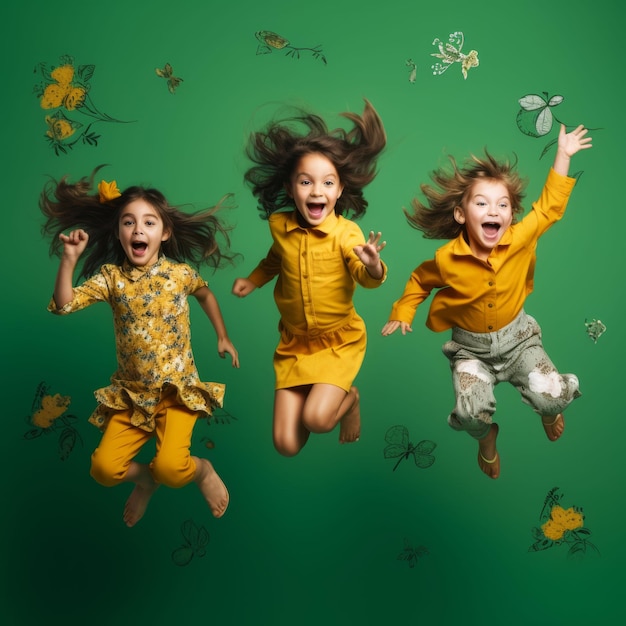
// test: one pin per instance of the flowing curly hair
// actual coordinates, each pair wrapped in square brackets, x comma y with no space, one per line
[276,150]
[194,237]
[452,187]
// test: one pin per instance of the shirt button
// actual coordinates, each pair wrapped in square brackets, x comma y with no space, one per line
[491,283]
[490,327]
[490,305]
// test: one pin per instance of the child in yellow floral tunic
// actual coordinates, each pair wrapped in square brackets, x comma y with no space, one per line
[129,241]
[319,256]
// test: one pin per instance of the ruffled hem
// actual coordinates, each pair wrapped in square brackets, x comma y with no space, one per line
[201,397]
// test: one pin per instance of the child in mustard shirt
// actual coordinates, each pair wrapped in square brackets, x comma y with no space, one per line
[483,276]
[318,256]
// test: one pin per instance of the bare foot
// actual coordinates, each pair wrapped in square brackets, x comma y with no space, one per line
[554,425]
[138,502]
[350,424]
[488,457]
[212,487]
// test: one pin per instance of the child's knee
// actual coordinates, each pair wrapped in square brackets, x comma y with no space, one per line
[550,393]
[106,471]
[173,473]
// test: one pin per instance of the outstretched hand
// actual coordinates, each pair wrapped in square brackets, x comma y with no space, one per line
[570,143]
[369,254]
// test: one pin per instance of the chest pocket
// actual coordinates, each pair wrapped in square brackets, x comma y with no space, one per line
[327,263]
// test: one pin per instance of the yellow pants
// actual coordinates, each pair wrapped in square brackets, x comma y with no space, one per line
[172,464]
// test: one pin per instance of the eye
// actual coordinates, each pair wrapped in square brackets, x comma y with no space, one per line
[305,182]
[329,183]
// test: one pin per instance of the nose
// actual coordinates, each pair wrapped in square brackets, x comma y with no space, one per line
[316,190]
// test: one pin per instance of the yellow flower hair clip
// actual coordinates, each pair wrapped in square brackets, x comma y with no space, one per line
[108,191]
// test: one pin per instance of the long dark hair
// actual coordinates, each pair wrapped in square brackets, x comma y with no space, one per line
[196,238]
[276,150]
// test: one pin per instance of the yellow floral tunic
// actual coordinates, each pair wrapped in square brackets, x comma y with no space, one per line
[152,337]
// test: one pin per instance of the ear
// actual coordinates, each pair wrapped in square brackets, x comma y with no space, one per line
[459,214]
[166,235]
[340,191]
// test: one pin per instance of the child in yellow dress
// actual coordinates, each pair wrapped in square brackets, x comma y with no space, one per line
[483,276]
[318,256]
[133,246]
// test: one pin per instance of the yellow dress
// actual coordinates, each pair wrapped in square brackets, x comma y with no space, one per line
[322,338]
[152,339]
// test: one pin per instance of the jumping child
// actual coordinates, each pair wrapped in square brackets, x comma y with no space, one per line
[135,245]
[484,275]
[318,256]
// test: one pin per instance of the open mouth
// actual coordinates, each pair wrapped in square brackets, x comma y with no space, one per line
[491,229]
[139,246]
[315,209]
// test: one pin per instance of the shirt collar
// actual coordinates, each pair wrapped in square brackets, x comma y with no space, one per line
[325,227]
[460,247]
[135,273]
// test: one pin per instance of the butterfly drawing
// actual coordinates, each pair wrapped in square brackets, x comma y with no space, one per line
[48,416]
[450,53]
[401,448]
[535,118]
[195,541]
[168,73]
[412,554]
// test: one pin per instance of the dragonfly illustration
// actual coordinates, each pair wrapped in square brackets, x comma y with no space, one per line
[269,41]
[195,541]
[412,554]
[401,448]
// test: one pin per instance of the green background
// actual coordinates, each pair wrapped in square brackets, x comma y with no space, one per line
[315,539]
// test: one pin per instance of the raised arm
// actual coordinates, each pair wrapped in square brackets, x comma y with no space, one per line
[209,305]
[74,245]
[568,145]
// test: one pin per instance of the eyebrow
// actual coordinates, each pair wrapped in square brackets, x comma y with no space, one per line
[143,216]
[329,175]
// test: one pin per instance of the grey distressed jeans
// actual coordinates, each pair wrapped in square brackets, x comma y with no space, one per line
[515,354]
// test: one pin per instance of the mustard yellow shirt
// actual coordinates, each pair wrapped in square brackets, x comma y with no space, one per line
[152,339]
[317,272]
[484,296]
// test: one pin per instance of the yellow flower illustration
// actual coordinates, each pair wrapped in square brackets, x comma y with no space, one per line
[108,191]
[561,520]
[63,74]
[75,98]
[60,128]
[52,407]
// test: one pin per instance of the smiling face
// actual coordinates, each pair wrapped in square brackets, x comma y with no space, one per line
[486,214]
[315,187]
[141,231]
